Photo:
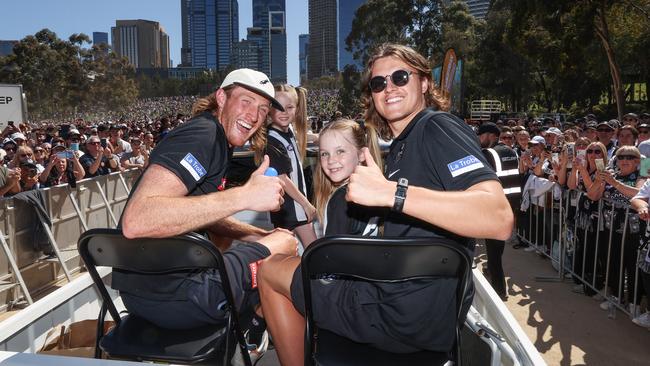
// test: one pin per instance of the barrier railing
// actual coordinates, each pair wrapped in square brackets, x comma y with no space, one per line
[596,247]
[37,254]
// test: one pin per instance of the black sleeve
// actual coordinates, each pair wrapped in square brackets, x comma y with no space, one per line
[278,156]
[337,214]
[454,153]
[189,151]
[490,159]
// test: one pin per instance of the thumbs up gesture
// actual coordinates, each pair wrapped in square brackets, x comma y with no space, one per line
[263,193]
[367,185]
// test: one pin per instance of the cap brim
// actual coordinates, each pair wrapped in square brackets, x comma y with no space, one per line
[274,103]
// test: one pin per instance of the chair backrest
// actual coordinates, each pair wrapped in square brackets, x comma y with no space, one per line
[384,260]
[109,247]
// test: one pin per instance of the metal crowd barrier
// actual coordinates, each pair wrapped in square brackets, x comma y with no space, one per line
[550,227]
[27,269]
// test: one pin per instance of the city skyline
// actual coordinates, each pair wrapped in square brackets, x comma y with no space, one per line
[75,16]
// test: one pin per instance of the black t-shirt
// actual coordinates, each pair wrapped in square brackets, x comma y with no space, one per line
[197,152]
[348,218]
[440,152]
[87,161]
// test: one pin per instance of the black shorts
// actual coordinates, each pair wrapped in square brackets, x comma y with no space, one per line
[194,298]
[399,318]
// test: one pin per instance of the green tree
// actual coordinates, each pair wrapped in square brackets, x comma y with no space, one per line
[350,92]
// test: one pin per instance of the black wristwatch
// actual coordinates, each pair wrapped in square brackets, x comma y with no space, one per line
[400,194]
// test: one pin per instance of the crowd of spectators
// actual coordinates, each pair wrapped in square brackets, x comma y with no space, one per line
[599,167]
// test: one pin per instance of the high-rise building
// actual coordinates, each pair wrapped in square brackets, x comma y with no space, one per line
[100,37]
[143,42]
[478,8]
[323,45]
[246,54]
[346,10]
[210,29]
[269,32]
[303,56]
[7,47]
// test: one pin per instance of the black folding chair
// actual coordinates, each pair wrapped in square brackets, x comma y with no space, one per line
[380,260]
[134,338]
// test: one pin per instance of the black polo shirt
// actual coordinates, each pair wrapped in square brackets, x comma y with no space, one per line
[437,151]
[197,152]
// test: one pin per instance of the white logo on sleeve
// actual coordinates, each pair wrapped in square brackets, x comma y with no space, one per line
[193,166]
[464,165]
[393,173]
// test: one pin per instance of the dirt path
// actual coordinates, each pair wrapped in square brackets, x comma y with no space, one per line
[567,328]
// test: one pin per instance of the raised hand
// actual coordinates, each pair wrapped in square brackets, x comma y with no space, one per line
[367,185]
[263,193]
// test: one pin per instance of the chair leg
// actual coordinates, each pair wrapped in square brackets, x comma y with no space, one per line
[100,329]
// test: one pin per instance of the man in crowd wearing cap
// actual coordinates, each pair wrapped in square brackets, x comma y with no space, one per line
[29,176]
[630,119]
[605,133]
[73,140]
[183,189]
[98,160]
[119,146]
[505,162]
[590,131]
[19,138]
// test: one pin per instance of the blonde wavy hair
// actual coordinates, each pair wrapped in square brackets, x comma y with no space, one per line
[209,104]
[433,96]
[361,137]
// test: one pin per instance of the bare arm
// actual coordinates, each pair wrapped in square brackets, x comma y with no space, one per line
[641,206]
[78,169]
[293,192]
[457,211]
[160,208]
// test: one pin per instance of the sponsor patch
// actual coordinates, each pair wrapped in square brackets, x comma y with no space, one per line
[193,166]
[253,267]
[464,165]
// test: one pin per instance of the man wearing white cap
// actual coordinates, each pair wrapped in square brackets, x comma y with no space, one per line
[183,190]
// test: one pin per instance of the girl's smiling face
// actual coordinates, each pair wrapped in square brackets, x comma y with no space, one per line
[282,120]
[338,155]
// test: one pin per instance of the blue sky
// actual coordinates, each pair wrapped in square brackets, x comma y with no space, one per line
[65,17]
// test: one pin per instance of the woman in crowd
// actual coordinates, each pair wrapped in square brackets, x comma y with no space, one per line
[286,145]
[618,187]
[60,170]
[582,178]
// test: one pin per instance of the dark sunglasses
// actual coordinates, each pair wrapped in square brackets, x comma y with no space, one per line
[399,78]
[644,131]
[507,138]
[604,130]
[24,155]
[594,151]
[38,150]
[626,157]
[93,143]
[10,149]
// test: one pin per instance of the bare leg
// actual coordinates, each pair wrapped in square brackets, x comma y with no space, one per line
[306,234]
[284,322]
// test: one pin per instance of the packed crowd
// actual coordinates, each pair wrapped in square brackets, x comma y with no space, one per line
[36,157]
[602,168]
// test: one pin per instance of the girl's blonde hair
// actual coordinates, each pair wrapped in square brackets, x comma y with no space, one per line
[433,96]
[361,137]
[299,95]
[15,162]
[209,104]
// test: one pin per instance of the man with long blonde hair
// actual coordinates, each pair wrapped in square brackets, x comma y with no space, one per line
[183,189]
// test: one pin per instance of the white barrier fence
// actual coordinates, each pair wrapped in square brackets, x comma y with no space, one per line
[36,256]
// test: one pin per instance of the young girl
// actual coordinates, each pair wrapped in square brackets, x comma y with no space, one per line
[341,149]
[285,150]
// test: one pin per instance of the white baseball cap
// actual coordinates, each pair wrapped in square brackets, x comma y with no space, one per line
[254,81]
[537,140]
[18,136]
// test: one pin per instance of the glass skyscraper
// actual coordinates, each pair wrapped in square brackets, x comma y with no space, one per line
[269,32]
[303,48]
[210,29]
